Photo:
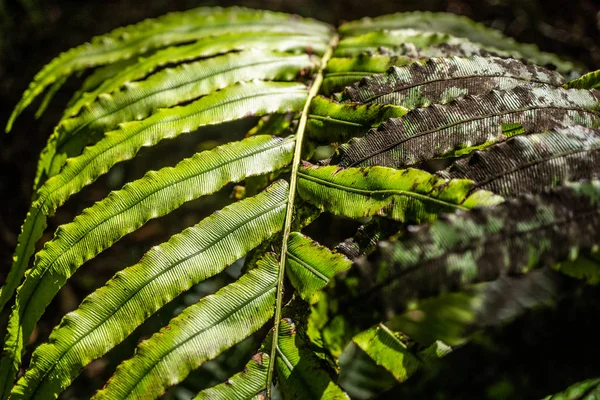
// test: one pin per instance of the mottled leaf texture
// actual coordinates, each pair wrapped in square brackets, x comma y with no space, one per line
[414,44]
[366,237]
[469,247]
[586,390]
[402,195]
[244,385]
[440,80]
[298,368]
[198,334]
[111,313]
[454,25]
[310,266]
[343,71]
[124,211]
[235,102]
[532,163]
[588,81]
[333,122]
[468,124]
[172,86]
[171,29]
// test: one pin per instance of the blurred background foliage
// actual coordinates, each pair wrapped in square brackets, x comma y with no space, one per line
[541,353]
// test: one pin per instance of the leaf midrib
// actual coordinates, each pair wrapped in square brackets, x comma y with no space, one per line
[133,205]
[167,89]
[172,348]
[464,121]
[381,192]
[533,163]
[456,78]
[141,287]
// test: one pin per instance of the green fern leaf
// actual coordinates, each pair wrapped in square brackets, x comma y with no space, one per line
[232,103]
[124,43]
[310,266]
[440,80]
[469,124]
[97,77]
[344,71]
[300,375]
[454,25]
[403,195]
[388,349]
[412,43]
[137,100]
[158,193]
[200,333]
[532,163]
[586,390]
[476,246]
[590,80]
[115,310]
[244,385]
[230,42]
[331,122]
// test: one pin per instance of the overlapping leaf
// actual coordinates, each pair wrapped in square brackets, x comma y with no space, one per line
[137,100]
[440,80]
[158,193]
[298,369]
[310,266]
[454,25]
[469,124]
[175,28]
[403,195]
[198,334]
[110,314]
[235,102]
[531,163]
[333,122]
[414,44]
[465,248]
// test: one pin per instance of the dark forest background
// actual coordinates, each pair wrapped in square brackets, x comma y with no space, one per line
[540,354]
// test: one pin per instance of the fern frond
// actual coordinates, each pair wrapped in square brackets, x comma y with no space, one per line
[440,80]
[236,102]
[476,246]
[413,43]
[137,100]
[122,212]
[532,163]
[468,124]
[310,266]
[454,25]
[331,122]
[344,71]
[198,334]
[403,195]
[176,28]
[389,350]
[244,385]
[298,369]
[590,80]
[218,45]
